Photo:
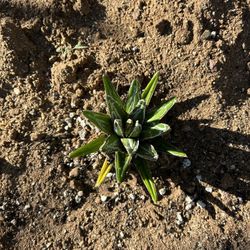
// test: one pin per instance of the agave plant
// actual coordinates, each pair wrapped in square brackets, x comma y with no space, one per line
[131,131]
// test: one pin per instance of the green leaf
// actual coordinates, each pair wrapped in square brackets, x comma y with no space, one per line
[88,148]
[111,144]
[139,112]
[106,167]
[131,145]
[102,121]
[148,152]
[118,127]
[158,113]
[170,149]
[154,131]
[133,96]
[129,127]
[122,162]
[144,171]
[113,100]
[136,130]
[150,88]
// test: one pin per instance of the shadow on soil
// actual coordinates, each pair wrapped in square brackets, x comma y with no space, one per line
[234,75]
[219,157]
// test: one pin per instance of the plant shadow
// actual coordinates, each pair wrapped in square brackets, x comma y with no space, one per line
[220,158]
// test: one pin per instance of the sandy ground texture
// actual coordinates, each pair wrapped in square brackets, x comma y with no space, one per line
[52,56]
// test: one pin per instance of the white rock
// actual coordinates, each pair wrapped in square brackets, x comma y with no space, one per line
[26,207]
[104,198]
[179,217]
[80,193]
[189,199]
[201,204]
[121,235]
[209,189]
[109,175]
[131,196]
[17,91]
[189,206]
[78,199]
[162,191]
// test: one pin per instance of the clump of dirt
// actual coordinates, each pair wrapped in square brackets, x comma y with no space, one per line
[15,49]
[52,56]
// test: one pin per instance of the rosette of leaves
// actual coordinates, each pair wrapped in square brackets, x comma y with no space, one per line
[132,131]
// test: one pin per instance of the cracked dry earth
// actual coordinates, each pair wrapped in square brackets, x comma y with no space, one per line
[52,56]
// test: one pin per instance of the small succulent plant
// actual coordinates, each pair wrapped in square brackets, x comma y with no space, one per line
[131,131]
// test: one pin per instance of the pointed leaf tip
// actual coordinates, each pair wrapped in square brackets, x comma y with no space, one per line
[144,171]
[89,148]
[106,167]
[100,120]
[158,113]
[150,88]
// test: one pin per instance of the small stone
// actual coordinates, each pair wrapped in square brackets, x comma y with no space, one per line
[13,222]
[162,191]
[74,172]
[131,196]
[80,193]
[179,217]
[240,200]
[26,207]
[109,175]
[232,167]
[78,199]
[121,235]
[35,136]
[209,189]
[206,35]
[104,198]
[17,91]
[189,206]
[248,66]
[186,163]
[189,199]
[201,204]
[213,34]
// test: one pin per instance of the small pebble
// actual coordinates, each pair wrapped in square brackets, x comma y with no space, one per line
[80,193]
[121,235]
[240,200]
[186,163]
[179,217]
[26,207]
[189,206]
[109,175]
[74,172]
[213,34]
[17,91]
[104,198]
[232,167]
[78,199]
[131,196]
[206,35]
[201,204]
[209,189]
[189,199]
[162,191]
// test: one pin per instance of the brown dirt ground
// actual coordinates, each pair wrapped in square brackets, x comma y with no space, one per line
[201,49]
